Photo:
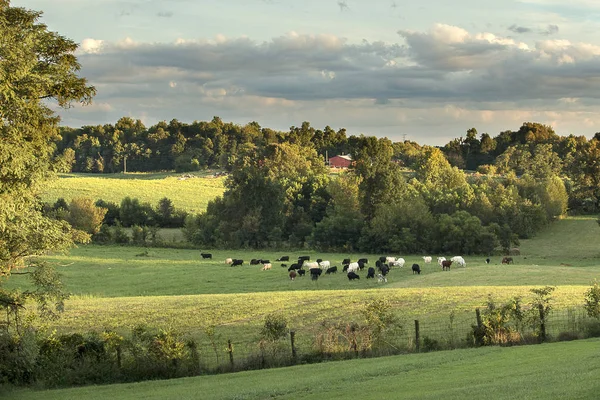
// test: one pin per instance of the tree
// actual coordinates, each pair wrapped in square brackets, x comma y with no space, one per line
[85,215]
[36,67]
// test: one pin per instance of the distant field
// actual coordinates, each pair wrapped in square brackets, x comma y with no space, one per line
[190,194]
[567,370]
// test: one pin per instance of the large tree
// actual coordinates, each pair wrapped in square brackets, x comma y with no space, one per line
[37,68]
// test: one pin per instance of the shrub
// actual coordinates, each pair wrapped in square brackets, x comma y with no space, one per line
[85,215]
[592,301]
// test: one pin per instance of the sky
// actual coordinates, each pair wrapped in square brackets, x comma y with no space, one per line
[425,70]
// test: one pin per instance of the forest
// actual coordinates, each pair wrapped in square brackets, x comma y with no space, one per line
[475,194]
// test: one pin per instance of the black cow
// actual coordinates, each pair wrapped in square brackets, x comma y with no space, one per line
[294,266]
[379,264]
[371,273]
[352,276]
[263,261]
[315,273]
[363,260]
[382,259]
[384,269]
[487,260]
[331,270]
[416,269]
[304,258]
[254,261]
[346,261]
[361,265]
[319,260]
[301,272]
[283,258]
[206,255]
[237,262]
[283,265]
[345,268]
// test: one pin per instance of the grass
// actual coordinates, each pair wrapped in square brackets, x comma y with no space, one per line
[190,194]
[566,370]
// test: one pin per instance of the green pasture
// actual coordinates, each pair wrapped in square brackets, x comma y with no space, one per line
[191,194]
[566,370]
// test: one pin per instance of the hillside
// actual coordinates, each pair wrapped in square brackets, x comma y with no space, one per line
[566,370]
[190,192]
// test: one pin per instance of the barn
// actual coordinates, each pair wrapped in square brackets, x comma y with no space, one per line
[340,161]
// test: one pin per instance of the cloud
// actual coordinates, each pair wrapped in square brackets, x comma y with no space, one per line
[519,29]
[440,77]
[550,30]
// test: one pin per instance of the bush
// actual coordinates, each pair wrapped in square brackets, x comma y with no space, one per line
[592,301]
[85,215]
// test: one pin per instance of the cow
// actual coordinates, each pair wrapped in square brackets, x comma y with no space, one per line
[416,269]
[266,267]
[254,261]
[390,260]
[301,272]
[283,258]
[319,260]
[324,264]
[263,261]
[440,259]
[304,258]
[331,270]
[381,278]
[345,268]
[427,259]
[398,263]
[283,265]
[446,265]
[235,262]
[315,273]
[487,260]
[293,275]
[382,259]
[228,261]
[346,261]
[294,266]
[384,270]
[459,260]
[507,260]
[361,265]
[352,276]
[353,267]
[363,260]
[371,273]
[206,255]
[311,265]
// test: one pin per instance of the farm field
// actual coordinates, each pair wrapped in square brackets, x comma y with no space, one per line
[121,287]
[189,194]
[566,370]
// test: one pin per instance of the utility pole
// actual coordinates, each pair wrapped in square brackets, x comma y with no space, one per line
[125,165]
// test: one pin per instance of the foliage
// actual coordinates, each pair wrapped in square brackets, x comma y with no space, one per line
[592,301]
[274,328]
[84,215]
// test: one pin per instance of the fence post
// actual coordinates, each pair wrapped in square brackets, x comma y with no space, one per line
[417,335]
[293,340]
[479,334]
[230,351]
[542,323]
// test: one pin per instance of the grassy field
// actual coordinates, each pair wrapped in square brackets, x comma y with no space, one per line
[189,194]
[566,370]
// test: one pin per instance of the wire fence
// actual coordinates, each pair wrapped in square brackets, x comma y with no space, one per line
[348,340]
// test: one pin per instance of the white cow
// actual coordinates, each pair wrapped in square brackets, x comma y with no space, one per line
[228,261]
[353,267]
[310,265]
[390,259]
[440,259]
[399,262]
[459,261]
[325,264]
[427,259]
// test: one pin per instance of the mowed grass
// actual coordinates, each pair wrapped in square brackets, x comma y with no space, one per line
[567,370]
[189,194]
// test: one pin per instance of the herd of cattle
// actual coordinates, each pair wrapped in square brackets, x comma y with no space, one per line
[382,266]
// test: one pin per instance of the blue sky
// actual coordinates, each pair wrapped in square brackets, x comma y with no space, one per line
[426,70]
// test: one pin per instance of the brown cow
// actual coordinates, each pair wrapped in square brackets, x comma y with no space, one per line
[446,265]
[507,260]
